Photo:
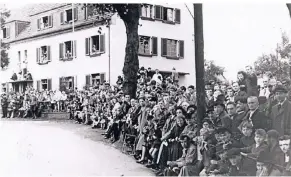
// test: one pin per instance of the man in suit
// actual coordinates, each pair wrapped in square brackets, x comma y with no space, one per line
[236,120]
[281,112]
[274,149]
[258,118]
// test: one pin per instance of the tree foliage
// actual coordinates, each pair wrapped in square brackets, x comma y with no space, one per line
[276,63]
[4,46]
[212,70]
[129,14]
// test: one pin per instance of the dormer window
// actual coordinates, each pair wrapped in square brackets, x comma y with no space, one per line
[44,22]
[68,15]
[6,32]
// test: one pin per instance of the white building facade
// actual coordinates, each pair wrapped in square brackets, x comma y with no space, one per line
[44,44]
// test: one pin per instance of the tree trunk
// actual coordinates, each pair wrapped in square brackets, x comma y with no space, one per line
[199,62]
[131,63]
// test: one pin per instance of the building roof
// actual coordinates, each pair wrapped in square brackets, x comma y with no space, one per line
[24,13]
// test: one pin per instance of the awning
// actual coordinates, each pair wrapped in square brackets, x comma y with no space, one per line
[21,81]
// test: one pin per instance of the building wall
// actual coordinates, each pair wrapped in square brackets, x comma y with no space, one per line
[84,65]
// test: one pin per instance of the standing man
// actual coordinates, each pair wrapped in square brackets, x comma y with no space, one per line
[236,120]
[255,116]
[252,82]
[4,105]
[281,112]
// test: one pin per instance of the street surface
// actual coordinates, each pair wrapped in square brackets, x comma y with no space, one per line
[43,148]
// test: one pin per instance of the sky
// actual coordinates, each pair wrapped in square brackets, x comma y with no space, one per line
[236,34]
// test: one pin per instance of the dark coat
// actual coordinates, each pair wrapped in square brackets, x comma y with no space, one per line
[252,85]
[259,120]
[225,120]
[278,156]
[281,120]
[235,122]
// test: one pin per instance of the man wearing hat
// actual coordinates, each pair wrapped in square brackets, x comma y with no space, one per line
[281,112]
[266,165]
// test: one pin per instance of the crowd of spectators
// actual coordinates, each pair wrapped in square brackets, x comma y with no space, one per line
[245,131]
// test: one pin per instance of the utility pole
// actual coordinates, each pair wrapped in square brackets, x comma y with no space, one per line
[199,62]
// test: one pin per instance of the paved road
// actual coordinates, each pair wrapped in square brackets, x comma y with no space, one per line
[41,148]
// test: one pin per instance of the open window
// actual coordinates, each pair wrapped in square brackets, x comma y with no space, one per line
[93,79]
[45,22]
[67,83]
[95,45]
[44,84]
[148,46]
[172,49]
[68,15]
[167,14]
[68,50]
[43,55]
[147,11]
[6,32]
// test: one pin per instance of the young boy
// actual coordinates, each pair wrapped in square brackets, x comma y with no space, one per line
[253,151]
[248,138]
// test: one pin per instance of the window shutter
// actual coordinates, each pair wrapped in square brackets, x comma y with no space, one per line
[49,53]
[75,83]
[86,12]
[49,84]
[75,14]
[87,46]
[7,32]
[140,10]
[154,46]
[62,17]
[178,16]
[164,47]
[102,43]
[38,85]
[88,78]
[74,47]
[102,77]
[181,49]
[158,14]
[60,86]
[50,21]
[16,29]
[61,51]
[37,55]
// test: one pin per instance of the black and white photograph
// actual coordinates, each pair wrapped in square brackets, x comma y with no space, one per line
[157,88]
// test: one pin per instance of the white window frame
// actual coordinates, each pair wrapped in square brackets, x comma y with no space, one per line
[42,23]
[65,15]
[149,9]
[173,14]
[65,52]
[150,45]
[44,60]
[42,83]
[91,45]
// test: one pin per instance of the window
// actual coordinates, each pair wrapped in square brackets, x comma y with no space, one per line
[166,14]
[44,84]
[147,11]
[95,45]
[6,32]
[172,48]
[25,55]
[43,55]
[68,15]
[93,79]
[148,46]
[68,50]
[67,83]
[44,22]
